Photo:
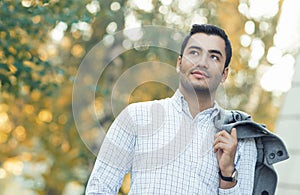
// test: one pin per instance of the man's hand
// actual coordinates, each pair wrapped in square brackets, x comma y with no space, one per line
[225,145]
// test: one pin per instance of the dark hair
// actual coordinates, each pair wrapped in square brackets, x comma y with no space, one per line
[210,30]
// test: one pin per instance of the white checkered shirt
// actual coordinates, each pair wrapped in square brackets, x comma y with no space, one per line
[167,151]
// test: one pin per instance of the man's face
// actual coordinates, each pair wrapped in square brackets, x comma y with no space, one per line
[202,64]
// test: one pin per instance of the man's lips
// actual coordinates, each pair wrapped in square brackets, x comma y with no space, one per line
[199,74]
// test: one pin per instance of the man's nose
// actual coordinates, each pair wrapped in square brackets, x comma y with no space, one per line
[202,61]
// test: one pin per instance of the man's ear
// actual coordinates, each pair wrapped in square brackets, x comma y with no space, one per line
[178,64]
[225,74]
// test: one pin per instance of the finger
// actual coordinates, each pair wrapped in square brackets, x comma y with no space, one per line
[221,139]
[226,144]
[233,133]
[220,146]
[223,145]
[223,135]
[216,147]
[220,133]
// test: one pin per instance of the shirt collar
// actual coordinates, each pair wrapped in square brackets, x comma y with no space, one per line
[181,105]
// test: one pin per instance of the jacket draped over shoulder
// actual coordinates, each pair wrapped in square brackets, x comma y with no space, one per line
[270,148]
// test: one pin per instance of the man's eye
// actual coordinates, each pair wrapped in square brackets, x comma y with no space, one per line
[194,53]
[215,57]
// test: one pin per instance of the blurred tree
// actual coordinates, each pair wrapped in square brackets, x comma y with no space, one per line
[43,42]
[39,142]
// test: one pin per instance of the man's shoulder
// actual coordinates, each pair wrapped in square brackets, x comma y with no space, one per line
[141,113]
[148,105]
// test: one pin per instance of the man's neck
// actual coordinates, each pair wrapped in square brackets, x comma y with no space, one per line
[197,101]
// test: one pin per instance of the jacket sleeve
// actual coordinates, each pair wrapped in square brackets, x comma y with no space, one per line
[114,158]
[270,148]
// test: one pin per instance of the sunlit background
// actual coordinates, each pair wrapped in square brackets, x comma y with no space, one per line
[44,42]
[280,56]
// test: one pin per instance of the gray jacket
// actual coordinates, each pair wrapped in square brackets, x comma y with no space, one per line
[270,148]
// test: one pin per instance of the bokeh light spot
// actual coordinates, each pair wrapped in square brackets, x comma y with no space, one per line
[45,116]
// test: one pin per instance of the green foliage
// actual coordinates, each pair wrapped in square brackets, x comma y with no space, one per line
[24,28]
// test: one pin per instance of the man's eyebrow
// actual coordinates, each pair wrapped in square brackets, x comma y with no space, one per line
[215,51]
[195,47]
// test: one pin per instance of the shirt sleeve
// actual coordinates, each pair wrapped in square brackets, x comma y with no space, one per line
[245,164]
[114,159]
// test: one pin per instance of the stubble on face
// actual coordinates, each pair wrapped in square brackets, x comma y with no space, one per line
[198,86]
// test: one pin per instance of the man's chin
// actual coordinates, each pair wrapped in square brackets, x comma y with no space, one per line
[195,87]
[199,86]
[199,89]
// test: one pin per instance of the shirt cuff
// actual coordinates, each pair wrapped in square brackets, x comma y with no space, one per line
[230,191]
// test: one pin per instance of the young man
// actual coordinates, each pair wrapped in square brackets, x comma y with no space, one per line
[172,146]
